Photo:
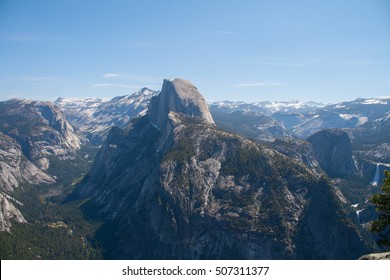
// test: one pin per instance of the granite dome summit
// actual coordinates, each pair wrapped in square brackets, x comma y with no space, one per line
[179,96]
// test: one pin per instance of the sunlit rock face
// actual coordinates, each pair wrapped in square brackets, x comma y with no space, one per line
[178,96]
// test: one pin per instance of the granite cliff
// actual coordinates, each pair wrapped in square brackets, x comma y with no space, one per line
[333,150]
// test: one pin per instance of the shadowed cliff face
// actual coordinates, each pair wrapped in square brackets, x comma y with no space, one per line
[172,186]
[333,150]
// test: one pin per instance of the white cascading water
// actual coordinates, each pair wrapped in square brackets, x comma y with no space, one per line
[375,181]
[357,211]
[358,214]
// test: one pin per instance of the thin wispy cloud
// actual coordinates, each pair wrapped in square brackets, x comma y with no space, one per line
[314,61]
[111,75]
[259,84]
[283,64]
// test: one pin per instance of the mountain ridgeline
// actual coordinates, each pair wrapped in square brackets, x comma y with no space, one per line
[170,185]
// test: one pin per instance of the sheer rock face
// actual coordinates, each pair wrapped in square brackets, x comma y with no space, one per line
[15,168]
[333,150]
[172,186]
[178,96]
[9,212]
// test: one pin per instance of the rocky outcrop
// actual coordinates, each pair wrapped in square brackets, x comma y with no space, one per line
[376,256]
[9,212]
[172,186]
[333,150]
[40,128]
[15,168]
[299,150]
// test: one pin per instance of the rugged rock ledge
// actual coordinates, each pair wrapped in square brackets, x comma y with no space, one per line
[376,256]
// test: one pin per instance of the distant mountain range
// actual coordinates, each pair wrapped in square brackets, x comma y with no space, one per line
[303,119]
[269,119]
[95,117]
[267,107]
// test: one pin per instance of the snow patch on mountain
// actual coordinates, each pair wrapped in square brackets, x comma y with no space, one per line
[289,106]
[268,107]
[374,101]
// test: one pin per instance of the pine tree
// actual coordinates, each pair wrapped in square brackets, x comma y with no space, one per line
[382,205]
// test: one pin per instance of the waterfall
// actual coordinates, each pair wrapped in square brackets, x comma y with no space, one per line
[375,181]
[358,215]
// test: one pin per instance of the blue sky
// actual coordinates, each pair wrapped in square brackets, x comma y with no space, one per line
[326,51]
